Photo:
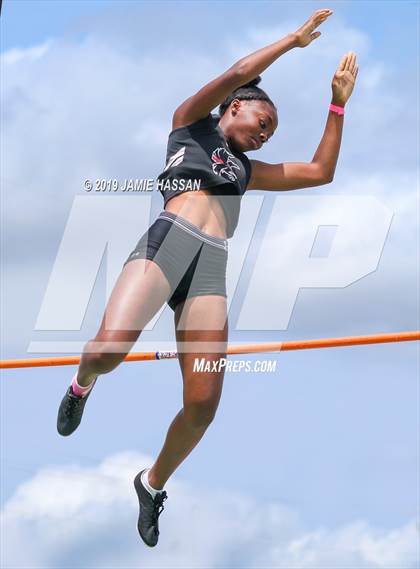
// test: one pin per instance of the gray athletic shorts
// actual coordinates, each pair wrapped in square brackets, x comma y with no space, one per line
[194,262]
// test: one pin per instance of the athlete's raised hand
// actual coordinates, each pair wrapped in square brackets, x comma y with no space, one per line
[344,79]
[306,34]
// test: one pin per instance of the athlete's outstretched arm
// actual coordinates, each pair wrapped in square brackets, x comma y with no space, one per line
[297,175]
[206,99]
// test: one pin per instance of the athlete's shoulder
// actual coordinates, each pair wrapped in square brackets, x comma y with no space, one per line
[208,123]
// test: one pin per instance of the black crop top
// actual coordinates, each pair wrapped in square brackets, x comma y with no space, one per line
[198,156]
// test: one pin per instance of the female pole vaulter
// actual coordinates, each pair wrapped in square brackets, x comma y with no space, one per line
[181,259]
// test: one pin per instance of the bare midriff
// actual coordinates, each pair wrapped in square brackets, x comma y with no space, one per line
[201,208]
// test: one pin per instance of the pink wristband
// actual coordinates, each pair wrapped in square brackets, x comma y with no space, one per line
[336,109]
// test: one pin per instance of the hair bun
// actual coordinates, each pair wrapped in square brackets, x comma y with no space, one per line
[253,83]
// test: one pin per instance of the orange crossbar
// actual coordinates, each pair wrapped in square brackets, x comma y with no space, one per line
[232,350]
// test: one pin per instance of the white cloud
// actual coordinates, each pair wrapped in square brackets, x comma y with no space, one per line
[86,517]
[82,111]
[16,55]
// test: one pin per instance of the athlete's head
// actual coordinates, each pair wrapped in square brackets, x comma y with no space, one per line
[248,117]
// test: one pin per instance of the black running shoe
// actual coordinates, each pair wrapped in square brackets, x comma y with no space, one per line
[70,412]
[150,510]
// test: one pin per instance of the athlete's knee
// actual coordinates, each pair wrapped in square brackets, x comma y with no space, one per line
[199,414]
[103,356]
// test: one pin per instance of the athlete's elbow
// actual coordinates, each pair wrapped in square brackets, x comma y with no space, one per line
[321,180]
[321,174]
[241,71]
[327,179]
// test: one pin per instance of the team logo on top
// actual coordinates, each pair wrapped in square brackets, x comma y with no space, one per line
[224,163]
[176,159]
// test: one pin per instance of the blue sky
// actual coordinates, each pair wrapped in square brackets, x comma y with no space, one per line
[325,450]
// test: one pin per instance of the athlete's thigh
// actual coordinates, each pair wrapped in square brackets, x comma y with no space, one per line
[139,292]
[202,344]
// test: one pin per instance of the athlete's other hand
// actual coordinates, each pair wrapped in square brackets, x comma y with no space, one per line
[306,34]
[344,79]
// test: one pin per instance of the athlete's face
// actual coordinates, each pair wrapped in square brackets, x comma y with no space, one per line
[250,124]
